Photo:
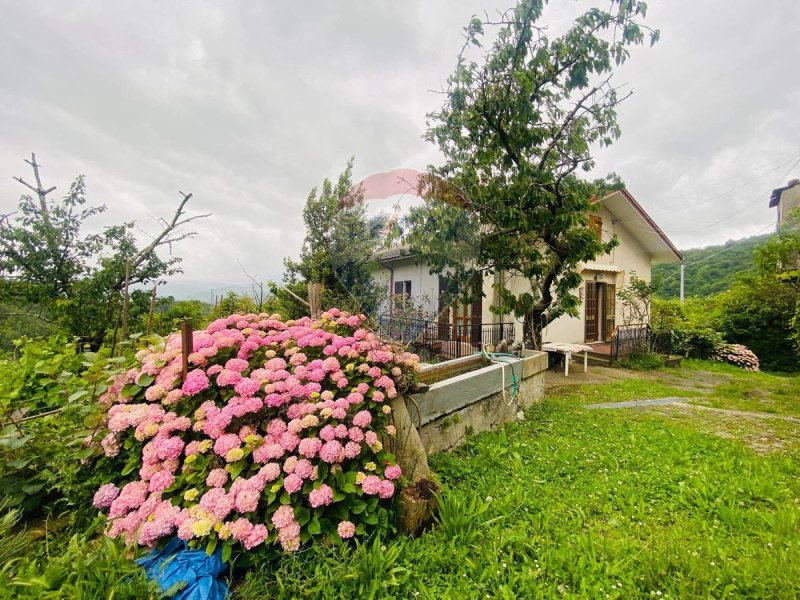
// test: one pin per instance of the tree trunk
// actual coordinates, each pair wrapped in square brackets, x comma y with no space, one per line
[535,322]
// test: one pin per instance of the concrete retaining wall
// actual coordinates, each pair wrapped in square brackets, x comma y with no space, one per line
[473,402]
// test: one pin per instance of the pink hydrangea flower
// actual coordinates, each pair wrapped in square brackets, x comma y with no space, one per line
[160,481]
[217,478]
[292,483]
[332,452]
[309,447]
[321,496]
[196,382]
[362,418]
[346,530]
[371,485]
[105,495]
[283,517]
[393,472]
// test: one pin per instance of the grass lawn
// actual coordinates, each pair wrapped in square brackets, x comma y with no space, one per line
[643,503]
[758,392]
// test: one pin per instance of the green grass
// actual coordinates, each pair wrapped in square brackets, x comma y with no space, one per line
[618,391]
[582,504]
[756,392]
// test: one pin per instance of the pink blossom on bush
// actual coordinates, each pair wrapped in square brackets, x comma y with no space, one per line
[321,496]
[371,485]
[393,472]
[105,495]
[217,478]
[160,481]
[346,530]
[331,452]
[295,413]
[237,364]
[362,418]
[292,483]
[196,382]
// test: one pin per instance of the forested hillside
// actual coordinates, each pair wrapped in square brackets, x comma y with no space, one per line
[708,270]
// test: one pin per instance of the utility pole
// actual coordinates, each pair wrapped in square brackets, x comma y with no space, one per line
[683,270]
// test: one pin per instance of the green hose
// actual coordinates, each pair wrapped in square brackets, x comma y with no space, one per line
[494,357]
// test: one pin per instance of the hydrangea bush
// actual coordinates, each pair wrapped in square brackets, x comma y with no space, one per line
[274,437]
[737,355]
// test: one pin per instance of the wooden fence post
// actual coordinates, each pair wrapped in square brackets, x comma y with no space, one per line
[187,342]
[315,299]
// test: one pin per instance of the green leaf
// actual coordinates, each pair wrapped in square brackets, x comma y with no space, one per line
[314,527]
[302,515]
[145,380]
[227,548]
[77,395]
[33,488]
[130,390]
[132,463]
[211,546]
[235,469]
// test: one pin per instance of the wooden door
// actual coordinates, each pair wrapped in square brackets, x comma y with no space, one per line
[462,321]
[610,311]
[590,312]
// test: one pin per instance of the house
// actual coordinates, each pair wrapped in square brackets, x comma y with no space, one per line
[786,198]
[413,290]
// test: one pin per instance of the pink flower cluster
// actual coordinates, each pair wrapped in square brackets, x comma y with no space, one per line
[273,417]
[737,355]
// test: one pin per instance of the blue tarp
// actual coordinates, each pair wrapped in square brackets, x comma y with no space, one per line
[175,563]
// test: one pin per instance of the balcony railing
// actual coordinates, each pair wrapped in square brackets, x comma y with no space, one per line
[442,338]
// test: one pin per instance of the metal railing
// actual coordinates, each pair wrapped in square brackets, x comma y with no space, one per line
[628,339]
[442,338]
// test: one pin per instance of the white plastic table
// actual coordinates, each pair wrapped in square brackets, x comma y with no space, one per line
[568,350]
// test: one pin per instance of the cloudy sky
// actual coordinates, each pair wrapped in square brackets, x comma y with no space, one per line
[250,104]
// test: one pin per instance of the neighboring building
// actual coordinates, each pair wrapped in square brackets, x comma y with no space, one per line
[786,198]
[642,243]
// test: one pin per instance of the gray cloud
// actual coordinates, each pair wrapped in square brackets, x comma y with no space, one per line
[249,105]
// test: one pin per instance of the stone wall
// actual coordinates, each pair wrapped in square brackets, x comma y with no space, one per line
[476,401]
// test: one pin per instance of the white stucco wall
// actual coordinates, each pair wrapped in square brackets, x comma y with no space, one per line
[790,199]
[424,286]
[629,256]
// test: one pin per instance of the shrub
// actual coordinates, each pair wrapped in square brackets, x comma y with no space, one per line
[41,458]
[737,355]
[274,436]
[642,361]
[757,312]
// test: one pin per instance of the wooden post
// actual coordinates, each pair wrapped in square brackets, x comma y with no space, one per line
[126,300]
[187,341]
[152,309]
[315,299]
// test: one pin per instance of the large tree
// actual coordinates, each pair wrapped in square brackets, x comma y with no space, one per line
[517,124]
[51,269]
[339,249]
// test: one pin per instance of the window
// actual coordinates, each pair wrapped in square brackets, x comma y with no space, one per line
[596,223]
[402,294]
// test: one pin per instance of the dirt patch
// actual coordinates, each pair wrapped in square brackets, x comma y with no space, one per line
[554,377]
[694,381]
[762,433]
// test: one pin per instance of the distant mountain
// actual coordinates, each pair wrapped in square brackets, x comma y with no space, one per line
[708,270]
